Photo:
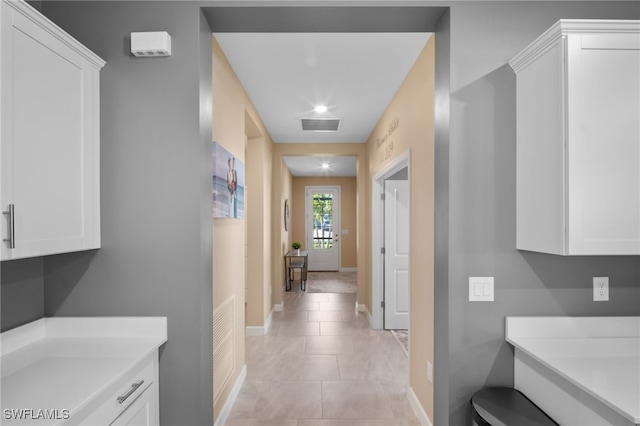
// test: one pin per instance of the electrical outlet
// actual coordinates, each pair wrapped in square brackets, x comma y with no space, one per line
[600,289]
[430,372]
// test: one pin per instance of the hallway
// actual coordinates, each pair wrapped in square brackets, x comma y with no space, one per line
[322,365]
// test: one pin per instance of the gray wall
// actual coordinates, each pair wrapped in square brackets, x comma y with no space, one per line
[482,198]
[156,255]
[441,232]
[22,292]
[156,260]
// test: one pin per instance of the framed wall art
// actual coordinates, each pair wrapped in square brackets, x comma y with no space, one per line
[227,196]
[287,216]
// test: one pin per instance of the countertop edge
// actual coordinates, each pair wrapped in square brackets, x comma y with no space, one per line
[83,327]
[570,328]
[522,347]
[576,326]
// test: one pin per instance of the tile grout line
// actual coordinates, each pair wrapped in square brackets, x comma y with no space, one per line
[339,369]
[322,399]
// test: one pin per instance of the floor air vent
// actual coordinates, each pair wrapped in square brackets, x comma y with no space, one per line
[320,124]
[223,346]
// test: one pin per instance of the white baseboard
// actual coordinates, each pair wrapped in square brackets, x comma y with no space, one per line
[260,330]
[417,408]
[267,323]
[348,269]
[228,405]
[361,307]
[255,330]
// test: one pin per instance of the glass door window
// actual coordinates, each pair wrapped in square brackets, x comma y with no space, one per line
[323,227]
[322,221]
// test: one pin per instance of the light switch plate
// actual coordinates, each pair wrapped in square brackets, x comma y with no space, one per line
[481,289]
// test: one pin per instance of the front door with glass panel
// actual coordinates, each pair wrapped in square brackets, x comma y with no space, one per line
[323,227]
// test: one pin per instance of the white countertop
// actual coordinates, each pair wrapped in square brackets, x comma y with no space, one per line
[61,363]
[600,355]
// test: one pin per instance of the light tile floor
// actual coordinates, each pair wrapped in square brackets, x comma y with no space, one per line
[322,365]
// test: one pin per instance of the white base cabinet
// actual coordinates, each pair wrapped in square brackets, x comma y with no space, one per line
[49,138]
[132,401]
[143,411]
[80,371]
[578,139]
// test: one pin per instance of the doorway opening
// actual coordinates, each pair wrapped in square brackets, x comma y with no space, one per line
[260,19]
[391,245]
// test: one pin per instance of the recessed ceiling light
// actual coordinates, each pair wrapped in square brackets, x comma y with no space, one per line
[325,165]
[320,108]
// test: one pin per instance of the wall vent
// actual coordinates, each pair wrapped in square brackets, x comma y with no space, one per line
[320,124]
[157,43]
[223,346]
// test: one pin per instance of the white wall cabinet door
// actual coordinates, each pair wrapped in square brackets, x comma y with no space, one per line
[50,149]
[578,140]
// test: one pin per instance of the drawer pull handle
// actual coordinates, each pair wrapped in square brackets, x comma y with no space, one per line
[11,241]
[134,387]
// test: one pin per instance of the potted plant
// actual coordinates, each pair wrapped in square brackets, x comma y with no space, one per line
[296,246]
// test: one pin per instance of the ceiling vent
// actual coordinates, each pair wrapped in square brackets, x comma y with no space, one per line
[320,124]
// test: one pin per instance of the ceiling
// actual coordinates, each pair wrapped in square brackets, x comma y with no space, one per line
[342,54]
[355,75]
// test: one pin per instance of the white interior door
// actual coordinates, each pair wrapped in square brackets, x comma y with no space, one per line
[323,227]
[396,258]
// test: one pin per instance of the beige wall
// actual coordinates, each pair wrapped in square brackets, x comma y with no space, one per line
[267,253]
[408,124]
[281,179]
[258,220]
[348,213]
[239,129]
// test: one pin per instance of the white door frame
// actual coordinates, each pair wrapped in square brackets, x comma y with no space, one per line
[336,232]
[377,234]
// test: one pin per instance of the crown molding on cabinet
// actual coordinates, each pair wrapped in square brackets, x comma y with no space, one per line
[564,27]
[43,22]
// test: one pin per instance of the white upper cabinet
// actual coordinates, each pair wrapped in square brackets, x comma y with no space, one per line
[49,137]
[578,139]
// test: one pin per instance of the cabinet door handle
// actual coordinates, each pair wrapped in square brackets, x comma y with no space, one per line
[134,387]
[12,227]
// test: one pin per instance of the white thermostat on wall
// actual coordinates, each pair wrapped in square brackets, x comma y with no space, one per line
[151,44]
